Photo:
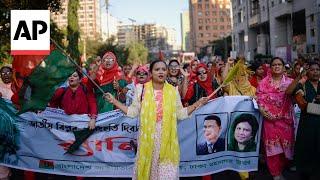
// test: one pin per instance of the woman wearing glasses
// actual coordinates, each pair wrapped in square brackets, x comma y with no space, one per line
[141,77]
[202,87]
[108,76]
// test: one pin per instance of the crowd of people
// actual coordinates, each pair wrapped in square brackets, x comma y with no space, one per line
[163,91]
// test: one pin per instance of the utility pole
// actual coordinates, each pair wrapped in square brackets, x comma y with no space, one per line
[107,8]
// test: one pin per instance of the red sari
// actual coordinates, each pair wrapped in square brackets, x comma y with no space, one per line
[278,132]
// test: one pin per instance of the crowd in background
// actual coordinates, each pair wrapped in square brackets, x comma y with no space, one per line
[282,91]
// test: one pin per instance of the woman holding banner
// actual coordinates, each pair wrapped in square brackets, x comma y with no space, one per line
[202,87]
[159,106]
[277,109]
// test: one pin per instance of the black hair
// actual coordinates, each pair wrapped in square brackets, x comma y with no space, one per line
[214,118]
[154,62]
[6,67]
[186,65]
[79,72]
[313,63]
[249,118]
[173,60]
[255,65]
[279,58]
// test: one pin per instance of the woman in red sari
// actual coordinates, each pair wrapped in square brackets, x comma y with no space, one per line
[202,87]
[277,109]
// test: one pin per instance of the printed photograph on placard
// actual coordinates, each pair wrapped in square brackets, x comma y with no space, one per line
[242,136]
[211,132]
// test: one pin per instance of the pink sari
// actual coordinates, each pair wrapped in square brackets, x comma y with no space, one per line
[278,132]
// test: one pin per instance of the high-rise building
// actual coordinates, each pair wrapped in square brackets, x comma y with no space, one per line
[155,37]
[285,28]
[185,31]
[126,34]
[109,26]
[88,17]
[210,20]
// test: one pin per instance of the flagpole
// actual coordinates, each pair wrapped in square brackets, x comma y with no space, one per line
[78,66]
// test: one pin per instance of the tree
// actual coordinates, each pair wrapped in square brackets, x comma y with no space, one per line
[138,53]
[120,51]
[73,30]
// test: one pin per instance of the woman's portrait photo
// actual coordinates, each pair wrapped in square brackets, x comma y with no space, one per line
[243,131]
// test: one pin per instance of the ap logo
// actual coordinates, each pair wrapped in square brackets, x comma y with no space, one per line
[30,32]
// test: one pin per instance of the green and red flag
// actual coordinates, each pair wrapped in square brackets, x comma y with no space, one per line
[37,82]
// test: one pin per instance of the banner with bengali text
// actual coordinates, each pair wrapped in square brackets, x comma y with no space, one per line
[207,146]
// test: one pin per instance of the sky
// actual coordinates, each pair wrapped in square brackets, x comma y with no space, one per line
[163,12]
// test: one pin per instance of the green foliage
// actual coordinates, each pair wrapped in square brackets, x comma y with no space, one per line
[120,51]
[138,53]
[73,30]
[56,34]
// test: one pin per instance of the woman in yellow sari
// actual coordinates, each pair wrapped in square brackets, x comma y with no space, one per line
[159,105]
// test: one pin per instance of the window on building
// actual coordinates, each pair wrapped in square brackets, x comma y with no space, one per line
[81,7]
[312,32]
[215,20]
[240,17]
[272,3]
[207,13]
[229,26]
[81,24]
[207,6]
[64,17]
[199,6]
[207,27]
[90,7]
[214,27]
[91,24]
[312,17]
[200,21]
[208,35]
[221,19]
[90,16]
[81,16]
[200,27]
[313,48]
[214,13]
[282,1]
[199,13]
[254,7]
[208,20]
[199,1]
[201,35]
[221,27]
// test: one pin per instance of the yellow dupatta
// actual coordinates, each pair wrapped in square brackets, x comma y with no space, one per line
[240,85]
[169,149]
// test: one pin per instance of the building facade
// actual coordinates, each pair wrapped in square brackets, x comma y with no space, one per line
[185,31]
[89,18]
[210,20]
[126,34]
[285,28]
[109,26]
[155,37]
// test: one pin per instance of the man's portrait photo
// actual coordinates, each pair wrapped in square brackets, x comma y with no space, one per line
[213,138]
